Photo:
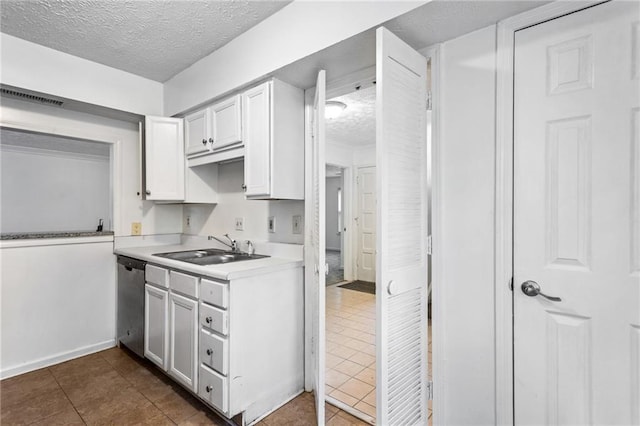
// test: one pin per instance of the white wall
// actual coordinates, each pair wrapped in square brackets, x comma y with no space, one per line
[332,238]
[220,219]
[31,66]
[155,219]
[57,303]
[296,31]
[466,179]
[45,190]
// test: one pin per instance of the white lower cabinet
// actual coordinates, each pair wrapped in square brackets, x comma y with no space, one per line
[238,345]
[183,338]
[156,338]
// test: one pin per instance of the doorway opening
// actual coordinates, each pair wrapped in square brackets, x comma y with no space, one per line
[350,368]
[334,238]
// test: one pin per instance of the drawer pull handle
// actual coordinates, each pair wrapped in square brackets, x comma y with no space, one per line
[208,388]
[209,351]
[208,320]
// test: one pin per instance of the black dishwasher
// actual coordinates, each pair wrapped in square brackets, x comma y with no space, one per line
[130,326]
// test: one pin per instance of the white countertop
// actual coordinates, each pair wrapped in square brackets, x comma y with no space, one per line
[224,271]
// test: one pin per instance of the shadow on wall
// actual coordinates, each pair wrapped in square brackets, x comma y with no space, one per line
[255,215]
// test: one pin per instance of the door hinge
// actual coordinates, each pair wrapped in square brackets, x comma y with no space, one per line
[430,390]
[429,245]
[429,101]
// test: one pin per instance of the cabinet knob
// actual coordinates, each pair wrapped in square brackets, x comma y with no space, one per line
[211,141]
[209,351]
[208,320]
[244,187]
[208,388]
[147,192]
[204,141]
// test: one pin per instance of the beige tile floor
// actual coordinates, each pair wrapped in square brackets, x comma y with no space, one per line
[350,349]
[114,387]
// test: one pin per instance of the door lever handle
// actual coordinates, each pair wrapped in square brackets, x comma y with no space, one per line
[532,289]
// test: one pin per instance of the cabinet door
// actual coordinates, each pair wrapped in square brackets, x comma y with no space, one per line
[256,120]
[183,331]
[164,158]
[196,132]
[156,337]
[225,119]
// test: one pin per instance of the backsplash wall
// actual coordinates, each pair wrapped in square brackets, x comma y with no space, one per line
[219,219]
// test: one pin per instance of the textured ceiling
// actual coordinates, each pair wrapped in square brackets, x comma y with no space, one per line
[356,126]
[151,38]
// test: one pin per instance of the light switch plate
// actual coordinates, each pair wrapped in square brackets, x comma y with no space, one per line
[239,224]
[296,224]
[272,224]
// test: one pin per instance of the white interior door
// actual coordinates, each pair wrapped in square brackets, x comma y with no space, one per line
[401,270]
[577,218]
[366,256]
[316,264]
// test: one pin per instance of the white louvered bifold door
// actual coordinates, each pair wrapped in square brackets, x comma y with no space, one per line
[401,273]
[318,241]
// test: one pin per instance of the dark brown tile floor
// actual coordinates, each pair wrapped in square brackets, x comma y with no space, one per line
[115,387]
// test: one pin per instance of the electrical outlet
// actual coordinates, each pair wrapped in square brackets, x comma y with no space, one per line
[188,221]
[272,224]
[136,228]
[239,224]
[296,224]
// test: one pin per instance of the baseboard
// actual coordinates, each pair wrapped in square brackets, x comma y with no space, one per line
[56,359]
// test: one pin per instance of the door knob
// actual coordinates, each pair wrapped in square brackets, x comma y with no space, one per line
[532,289]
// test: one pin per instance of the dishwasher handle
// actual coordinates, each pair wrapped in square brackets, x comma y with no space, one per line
[130,263]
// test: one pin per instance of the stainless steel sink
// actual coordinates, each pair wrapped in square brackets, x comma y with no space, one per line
[209,256]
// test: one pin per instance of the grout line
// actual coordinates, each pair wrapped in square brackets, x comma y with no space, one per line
[66,396]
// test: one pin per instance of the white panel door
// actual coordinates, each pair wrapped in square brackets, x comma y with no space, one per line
[183,340]
[164,158]
[401,270]
[196,132]
[257,133]
[226,123]
[156,324]
[577,219]
[316,236]
[366,256]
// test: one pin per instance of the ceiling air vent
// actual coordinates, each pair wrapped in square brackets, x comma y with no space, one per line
[28,97]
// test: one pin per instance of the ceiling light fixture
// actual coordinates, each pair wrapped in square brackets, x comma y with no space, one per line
[333,109]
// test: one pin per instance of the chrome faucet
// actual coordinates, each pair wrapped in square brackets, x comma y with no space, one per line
[232,244]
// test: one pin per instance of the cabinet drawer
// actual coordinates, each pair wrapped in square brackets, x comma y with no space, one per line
[185,284]
[213,388]
[214,293]
[213,352]
[156,275]
[214,319]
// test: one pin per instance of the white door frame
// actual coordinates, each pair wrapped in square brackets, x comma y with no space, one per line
[503,264]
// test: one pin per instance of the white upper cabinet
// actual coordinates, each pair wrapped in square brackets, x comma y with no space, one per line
[226,123]
[164,159]
[215,133]
[273,126]
[197,129]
